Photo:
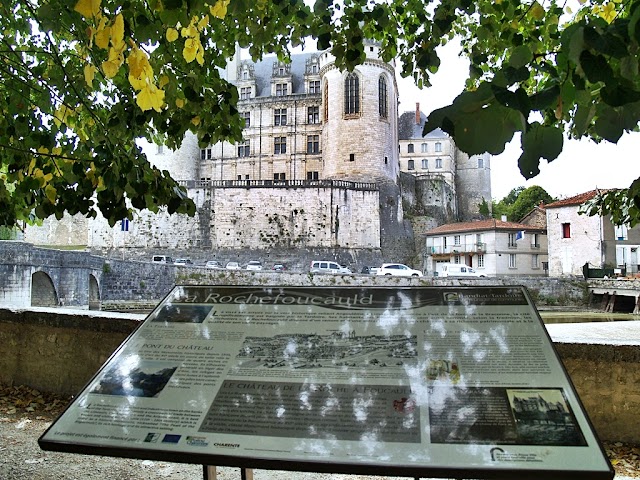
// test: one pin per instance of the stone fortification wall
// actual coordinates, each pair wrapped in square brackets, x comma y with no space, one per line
[68,231]
[256,218]
[323,217]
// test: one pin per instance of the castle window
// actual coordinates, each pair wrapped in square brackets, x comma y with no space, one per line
[352,157]
[314,86]
[312,175]
[245,93]
[386,160]
[244,149]
[313,144]
[124,225]
[425,164]
[424,148]
[314,68]
[279,176]
[239,177]
[480,162]
[438,163]
[282,89]
[352,94]
[326,102]
[410,148]
[247,119]
[245,75]
[313,114]
[566,230]
[438,147]
[205,154]
[411,165]
[383,108]
[279,145]
[280,116]
[281,71]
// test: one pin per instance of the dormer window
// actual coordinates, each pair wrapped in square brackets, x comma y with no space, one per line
[245,75]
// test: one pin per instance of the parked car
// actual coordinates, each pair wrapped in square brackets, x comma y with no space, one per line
[161,259]
[233,266]
[183,261]
[325,266]
[369,270]
[457,270]
[213,264]
[254,265]
[279,267]
[398,269]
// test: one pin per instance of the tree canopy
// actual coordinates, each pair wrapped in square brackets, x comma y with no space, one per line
[81,80]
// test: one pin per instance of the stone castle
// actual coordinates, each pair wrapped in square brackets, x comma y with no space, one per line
[327,166]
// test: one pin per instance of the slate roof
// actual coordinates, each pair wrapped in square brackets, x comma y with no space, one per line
[408,129]
[577,199]
[483,225]
[263,70]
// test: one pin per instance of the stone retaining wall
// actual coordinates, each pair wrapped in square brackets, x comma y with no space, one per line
[60,350]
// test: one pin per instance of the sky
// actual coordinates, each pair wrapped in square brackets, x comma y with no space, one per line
[582,166]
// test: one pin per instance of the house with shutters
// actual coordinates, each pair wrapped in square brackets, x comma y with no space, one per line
[492,247]
[576,240]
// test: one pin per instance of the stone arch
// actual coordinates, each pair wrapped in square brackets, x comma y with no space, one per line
[94,293]
[43,292]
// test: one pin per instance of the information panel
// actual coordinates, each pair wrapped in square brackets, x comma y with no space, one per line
[420,381]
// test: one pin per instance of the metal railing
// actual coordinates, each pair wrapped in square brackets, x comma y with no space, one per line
[279,184]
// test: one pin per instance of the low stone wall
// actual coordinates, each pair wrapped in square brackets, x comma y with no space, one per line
[60,350]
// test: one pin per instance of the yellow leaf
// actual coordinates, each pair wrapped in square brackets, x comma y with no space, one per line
[172,34]
[203,22]
[102,38]
[42,149]
[111,66]
[163,81]
[89,73]
[87,8]
[150,97]
[51,193]
[219,9]
[537,11]
[190,49]
[196,120]
[179,102]
[117,33]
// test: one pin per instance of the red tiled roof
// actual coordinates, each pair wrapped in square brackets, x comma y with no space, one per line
[478,225]
[577,199]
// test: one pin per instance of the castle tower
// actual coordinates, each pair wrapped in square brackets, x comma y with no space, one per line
[360,119]
[473,184]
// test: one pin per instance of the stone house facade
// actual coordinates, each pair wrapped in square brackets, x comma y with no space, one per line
[576,240]
[492,247]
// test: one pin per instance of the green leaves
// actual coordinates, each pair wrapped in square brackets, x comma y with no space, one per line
[538,142]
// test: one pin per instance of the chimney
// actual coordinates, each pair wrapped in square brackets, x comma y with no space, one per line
[417,113]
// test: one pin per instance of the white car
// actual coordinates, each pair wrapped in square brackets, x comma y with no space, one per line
[398,269]
[213,264]
[233,266]
[254,265]
[325,266]
[183,261]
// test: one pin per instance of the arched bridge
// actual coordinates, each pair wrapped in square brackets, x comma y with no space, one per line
[32,276]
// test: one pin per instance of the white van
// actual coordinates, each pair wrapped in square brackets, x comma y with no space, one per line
[325,266]
[457,270]
[161,259]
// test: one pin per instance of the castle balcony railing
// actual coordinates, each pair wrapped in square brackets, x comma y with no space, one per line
[363,186]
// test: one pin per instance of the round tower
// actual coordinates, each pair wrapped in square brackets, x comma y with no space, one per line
[360,119]
[473,184]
